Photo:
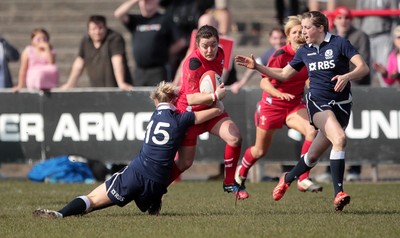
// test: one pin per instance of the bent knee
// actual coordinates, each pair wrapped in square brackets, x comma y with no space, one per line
[339,141]
[310,134]
[235,141]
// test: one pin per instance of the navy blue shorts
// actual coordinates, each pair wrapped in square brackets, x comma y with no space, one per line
[127,185]
[341,111]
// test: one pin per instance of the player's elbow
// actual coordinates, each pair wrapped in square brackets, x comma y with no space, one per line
[365,70]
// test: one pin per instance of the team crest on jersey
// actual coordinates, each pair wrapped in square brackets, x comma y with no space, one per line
[329,54]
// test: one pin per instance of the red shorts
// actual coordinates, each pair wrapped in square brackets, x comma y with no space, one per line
[274,117]
[194,131]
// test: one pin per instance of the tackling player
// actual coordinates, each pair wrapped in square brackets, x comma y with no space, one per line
[145,179]
[329,100]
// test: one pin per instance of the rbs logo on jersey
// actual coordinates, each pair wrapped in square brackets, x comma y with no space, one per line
[321,65]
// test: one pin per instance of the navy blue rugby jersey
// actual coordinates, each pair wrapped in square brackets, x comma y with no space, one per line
[331,59]
[164,134]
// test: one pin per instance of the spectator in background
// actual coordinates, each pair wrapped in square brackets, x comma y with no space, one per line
[343,20]
[315,5]
[378,28]
[154,39]
[329,5]
[185,14]
[280,10]
[277,39]
[8,53]
[223,16]
[38,69]
[391,73]
[102,53]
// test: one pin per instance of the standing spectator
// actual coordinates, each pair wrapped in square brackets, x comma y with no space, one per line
[154,39]
[102,53]
[391,73]
[281,8]
[329,5]
[315,5]
[343,26]
[8,53]
[145,179]
[185,14]
[277,39]
[378,28]
[38,68]
[223,16]
[329,100]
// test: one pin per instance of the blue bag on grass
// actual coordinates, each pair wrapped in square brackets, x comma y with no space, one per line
[61,170]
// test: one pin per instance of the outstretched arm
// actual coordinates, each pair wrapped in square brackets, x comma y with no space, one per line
[281,74]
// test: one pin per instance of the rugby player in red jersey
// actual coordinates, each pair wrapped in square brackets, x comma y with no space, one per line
[207,56]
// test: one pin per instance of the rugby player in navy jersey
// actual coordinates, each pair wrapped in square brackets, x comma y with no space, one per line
[329,99]
[282,104]
[145,179]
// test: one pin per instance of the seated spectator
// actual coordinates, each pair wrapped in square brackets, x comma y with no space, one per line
[102,53]
[8,53]
[38,68]
[154,39]
[391,73]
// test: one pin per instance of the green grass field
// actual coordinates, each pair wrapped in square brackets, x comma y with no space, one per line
[201,209]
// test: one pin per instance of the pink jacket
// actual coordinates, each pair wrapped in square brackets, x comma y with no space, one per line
[392,68]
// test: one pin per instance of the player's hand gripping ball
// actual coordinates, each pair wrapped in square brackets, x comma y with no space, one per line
[209,82]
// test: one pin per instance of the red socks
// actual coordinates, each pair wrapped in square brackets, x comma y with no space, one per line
[247,162]
[231,158]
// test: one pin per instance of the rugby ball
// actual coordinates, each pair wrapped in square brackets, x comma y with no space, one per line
[209,82]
